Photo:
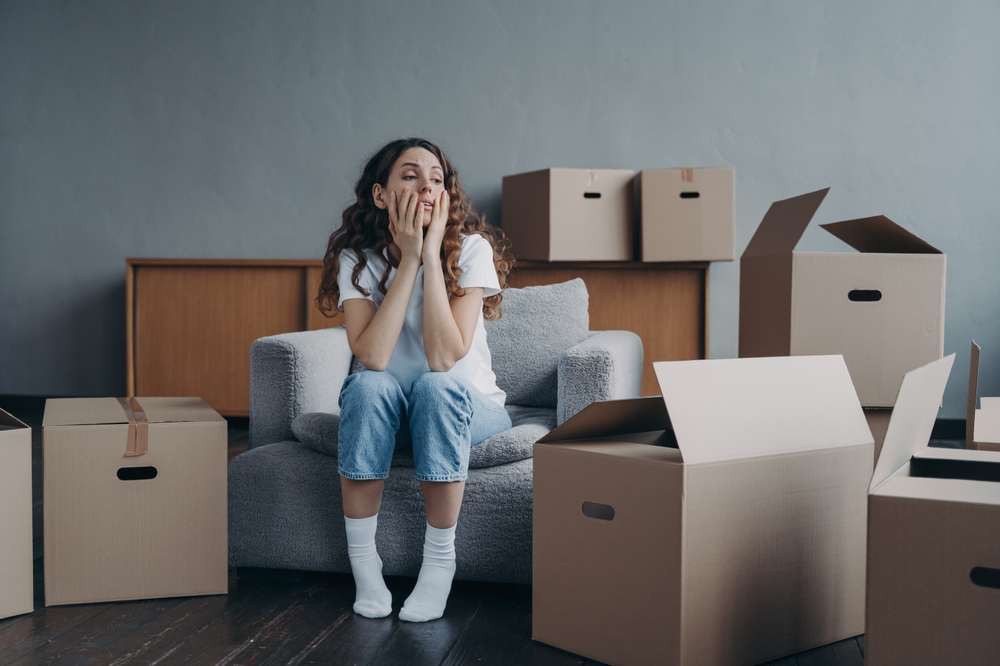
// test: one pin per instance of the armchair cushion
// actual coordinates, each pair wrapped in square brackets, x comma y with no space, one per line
[537,327]
[318,431]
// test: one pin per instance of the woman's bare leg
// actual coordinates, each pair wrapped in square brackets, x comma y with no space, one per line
[442,502]
[362,498]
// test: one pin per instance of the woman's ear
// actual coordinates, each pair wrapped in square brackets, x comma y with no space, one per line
[379,196]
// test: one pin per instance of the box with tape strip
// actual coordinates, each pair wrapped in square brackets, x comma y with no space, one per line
[685,215]
[881,307]
[722,523]
[135,499]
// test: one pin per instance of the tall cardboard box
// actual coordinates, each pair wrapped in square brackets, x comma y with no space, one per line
[933,540]
[882,308]
[685,215]
[569,214]
[16,557]
[720,523]
[982,426]
[134,499]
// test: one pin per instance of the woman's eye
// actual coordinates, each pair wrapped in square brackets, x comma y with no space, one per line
[437,181]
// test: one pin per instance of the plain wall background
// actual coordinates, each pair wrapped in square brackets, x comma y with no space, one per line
[237,129]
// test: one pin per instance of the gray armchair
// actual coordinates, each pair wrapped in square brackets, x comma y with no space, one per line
[284,493]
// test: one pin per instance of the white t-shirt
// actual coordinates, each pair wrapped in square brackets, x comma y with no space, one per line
[408,359]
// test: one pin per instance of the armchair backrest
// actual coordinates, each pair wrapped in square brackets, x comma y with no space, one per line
[536,328]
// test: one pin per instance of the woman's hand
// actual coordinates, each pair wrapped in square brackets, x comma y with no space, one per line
[435,232]
[406,224]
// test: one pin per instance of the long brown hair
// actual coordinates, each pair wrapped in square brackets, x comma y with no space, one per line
[365,226]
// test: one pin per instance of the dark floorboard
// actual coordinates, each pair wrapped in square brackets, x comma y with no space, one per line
[301,619]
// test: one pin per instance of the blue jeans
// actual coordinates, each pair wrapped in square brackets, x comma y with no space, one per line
[443,418]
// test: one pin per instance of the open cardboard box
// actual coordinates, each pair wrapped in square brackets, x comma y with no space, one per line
[933,540]
[569,214]
[982,426]
[722,523]
[882,307]
[16,557]
[129,515]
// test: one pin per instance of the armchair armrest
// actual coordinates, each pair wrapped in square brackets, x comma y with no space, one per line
[605,366]
[293,373]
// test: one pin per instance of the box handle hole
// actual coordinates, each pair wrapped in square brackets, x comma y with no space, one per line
[985,577]
[136,473]
[690,195]
[599,511]
[864,295]
[591,195]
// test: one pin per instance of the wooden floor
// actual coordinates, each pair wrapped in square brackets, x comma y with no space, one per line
[306,619]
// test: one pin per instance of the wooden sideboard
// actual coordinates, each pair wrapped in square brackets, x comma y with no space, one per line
[190,322]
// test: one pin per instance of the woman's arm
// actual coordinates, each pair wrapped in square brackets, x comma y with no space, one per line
[449,324]
[372,332]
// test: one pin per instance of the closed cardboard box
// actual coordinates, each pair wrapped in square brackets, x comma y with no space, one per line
[933,540]
[722,523]
[569,214]
[882,307]
[16,561]
[685,215]
[134,499]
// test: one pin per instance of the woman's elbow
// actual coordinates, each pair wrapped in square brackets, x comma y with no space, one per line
[372,362]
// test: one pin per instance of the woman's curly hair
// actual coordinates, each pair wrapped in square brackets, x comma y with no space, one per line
[365,226]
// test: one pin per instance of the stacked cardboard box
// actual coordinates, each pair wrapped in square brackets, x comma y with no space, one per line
[933,592]
[722,523]
[134,499]
[587,215]
[16,561]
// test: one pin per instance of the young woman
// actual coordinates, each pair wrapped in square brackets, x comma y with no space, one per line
[415,271]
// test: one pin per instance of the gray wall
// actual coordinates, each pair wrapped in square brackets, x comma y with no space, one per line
[236,129]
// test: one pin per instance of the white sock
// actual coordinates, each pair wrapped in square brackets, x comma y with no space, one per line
[428,599]
[373,598]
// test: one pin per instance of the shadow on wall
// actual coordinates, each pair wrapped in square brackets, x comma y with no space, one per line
[83,353]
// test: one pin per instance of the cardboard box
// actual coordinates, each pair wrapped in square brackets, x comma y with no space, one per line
[134,499]
[16,556]
[933,540]
[878,422]
[569,214]
[685,215]
[982,426]
[882,308]
[722,523]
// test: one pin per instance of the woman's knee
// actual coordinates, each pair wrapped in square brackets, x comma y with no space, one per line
[437,387]
[368,387]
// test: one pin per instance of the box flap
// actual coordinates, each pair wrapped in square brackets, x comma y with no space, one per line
[612,417]
[8,421]
[93,411]
[970,406]
[988,422]
[784,224]
[912,418]
[879,234]
[728,409]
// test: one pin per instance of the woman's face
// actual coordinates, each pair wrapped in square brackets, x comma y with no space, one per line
[418,170]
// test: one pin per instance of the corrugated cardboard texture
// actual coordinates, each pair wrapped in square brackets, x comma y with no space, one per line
[87,411]
[774,555]
[16,558]
[882,309]
[525,209]
[913,417]
[673,227]
[110,539]
[880,340]
[717,552]
[923,608]
[982,426]
[569,214]
[727,409]
[607,589]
